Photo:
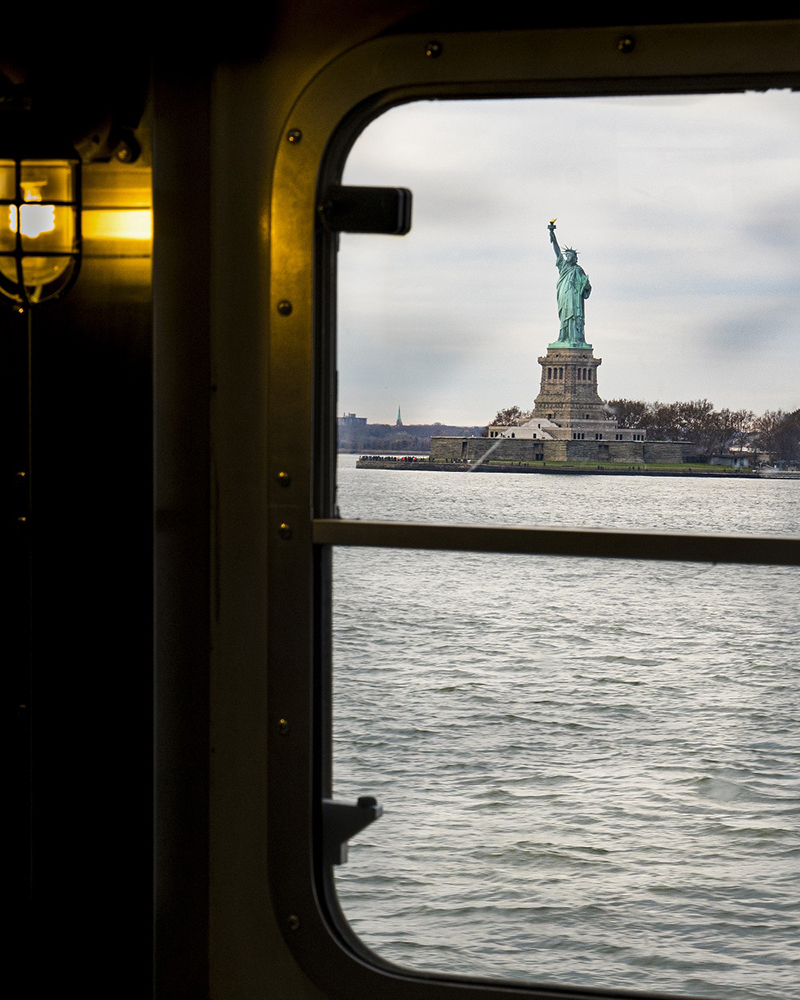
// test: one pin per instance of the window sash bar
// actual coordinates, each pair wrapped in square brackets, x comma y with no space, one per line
[602,543]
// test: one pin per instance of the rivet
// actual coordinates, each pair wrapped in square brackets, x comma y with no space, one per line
[433,50]
[285,307]
[293,921]
[626,44]
[283,726]
[285,531]
[128,151]
[294,135]
[284,479]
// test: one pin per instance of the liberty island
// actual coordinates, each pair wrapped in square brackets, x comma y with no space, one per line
[570,421]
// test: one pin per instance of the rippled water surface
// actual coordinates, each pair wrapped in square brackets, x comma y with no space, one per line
[588,768]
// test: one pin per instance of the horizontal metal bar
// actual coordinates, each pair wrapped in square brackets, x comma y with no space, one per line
[671,546]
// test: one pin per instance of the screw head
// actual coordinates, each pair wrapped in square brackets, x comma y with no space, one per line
[626,44]
[294,135]
[285,307]
[284,479]
[283,726]
[285,532]
[127,153]
[433,50]
[293,921]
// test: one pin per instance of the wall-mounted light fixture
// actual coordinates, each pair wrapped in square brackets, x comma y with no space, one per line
[40,227]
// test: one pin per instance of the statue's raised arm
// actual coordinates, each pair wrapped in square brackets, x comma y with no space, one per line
[553,240]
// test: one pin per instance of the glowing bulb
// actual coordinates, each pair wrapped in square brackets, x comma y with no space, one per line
[36,219]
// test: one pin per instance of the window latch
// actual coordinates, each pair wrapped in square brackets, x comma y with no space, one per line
[367,210]
[343,820]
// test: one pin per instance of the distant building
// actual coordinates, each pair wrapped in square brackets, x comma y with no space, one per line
[399,422]
[351,421]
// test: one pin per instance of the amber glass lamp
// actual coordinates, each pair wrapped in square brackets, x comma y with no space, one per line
[40,234]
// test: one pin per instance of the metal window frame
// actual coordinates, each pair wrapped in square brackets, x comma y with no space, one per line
[319,131]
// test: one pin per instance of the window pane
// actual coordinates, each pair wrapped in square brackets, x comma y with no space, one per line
[684,210]
[588,769]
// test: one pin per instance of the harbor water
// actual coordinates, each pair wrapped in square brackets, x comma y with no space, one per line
[588,768]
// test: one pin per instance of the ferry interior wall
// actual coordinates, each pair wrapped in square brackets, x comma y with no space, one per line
[169,437]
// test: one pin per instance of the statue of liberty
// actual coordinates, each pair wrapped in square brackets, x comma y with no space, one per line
[572,290]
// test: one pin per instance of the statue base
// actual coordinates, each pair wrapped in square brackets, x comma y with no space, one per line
[568,344]
[568,394]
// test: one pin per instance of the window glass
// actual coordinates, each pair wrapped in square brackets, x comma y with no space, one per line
[586,767]
[684,211]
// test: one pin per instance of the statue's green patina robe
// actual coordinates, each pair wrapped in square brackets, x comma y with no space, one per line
[572,289]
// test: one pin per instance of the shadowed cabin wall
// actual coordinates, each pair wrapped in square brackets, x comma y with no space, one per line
[86,731]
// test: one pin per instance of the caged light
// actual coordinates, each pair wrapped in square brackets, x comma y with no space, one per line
[40,226]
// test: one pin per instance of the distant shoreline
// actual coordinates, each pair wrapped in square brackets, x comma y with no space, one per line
[713,472]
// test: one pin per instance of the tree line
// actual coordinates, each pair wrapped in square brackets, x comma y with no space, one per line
[712,431]
[388,437]
[699,423]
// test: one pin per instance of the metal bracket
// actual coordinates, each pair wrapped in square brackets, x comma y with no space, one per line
[367,210]
[343,820]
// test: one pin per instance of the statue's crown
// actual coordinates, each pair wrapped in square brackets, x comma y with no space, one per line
[570,250]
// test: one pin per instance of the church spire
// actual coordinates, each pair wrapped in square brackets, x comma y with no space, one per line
[399,418]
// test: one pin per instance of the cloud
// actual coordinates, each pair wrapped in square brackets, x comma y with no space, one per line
[686,211]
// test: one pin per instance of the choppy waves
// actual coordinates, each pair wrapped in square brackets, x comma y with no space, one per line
[588,769]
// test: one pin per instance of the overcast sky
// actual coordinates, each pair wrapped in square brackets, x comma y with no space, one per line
[686,215]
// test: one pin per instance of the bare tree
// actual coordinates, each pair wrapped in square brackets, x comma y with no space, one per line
[513,416]
[629,412]
[779,433]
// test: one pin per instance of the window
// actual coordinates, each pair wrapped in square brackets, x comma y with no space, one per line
[304,895]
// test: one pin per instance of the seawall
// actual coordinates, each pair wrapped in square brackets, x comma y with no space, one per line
[714,472]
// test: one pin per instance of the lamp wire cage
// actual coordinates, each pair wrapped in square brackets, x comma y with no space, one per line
[30,273]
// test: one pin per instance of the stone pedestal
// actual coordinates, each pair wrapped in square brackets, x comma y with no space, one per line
[569,387]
